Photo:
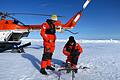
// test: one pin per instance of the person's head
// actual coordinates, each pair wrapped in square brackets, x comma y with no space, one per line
[72,40]
[54,17]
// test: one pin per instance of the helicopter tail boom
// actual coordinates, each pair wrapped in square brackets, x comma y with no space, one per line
[73,21]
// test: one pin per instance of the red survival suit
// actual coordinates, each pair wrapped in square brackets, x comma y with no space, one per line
[72,52]
[48,34]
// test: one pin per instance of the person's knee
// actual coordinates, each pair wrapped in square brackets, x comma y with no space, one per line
[47,56]
[74,61]
[50,55]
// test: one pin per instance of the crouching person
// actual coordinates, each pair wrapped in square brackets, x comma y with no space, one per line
[72,50]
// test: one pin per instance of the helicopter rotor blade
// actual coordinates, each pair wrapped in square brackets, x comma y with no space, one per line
[33,14]
[19,22]
[1,13]
[5,14]
[16,20]
[8,15]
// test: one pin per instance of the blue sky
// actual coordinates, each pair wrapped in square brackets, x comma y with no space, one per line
[100,20]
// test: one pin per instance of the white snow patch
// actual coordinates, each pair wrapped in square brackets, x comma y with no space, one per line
[80,41]
[102,59]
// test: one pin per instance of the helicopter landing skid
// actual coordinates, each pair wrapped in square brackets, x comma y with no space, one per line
[20,48]
[14,46]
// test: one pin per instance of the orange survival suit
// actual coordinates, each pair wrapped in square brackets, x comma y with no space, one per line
[48,34]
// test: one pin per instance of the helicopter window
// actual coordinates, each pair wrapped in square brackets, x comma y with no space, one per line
[8,22]
[16,22]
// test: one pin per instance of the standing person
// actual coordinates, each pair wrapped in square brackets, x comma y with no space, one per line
[72,50]
[48,34]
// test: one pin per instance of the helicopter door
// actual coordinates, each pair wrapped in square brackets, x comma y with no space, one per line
[17,35]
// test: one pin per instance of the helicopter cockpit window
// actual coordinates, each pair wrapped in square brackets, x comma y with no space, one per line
[16,22]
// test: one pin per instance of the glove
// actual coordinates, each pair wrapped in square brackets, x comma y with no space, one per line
[75,53]
[47,49]
[49,41]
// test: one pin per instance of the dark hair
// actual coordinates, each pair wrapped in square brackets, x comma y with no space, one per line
[71,39]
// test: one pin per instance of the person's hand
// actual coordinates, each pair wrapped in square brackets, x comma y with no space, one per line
[47,49]
[50,41]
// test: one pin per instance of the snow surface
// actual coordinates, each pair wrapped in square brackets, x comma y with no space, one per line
[103,59]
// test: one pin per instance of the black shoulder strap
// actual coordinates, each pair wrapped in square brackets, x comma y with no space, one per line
[50,23]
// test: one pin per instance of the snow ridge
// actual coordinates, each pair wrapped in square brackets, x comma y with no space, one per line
[80,41]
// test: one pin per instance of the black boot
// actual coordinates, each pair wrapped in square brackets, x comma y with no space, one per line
[42,71]
[68,66]
[50,68]
[76,70]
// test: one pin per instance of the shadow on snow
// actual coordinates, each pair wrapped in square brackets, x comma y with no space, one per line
[35,62]
[58,62]
[36,47]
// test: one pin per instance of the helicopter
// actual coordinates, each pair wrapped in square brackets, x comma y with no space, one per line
[11,31]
